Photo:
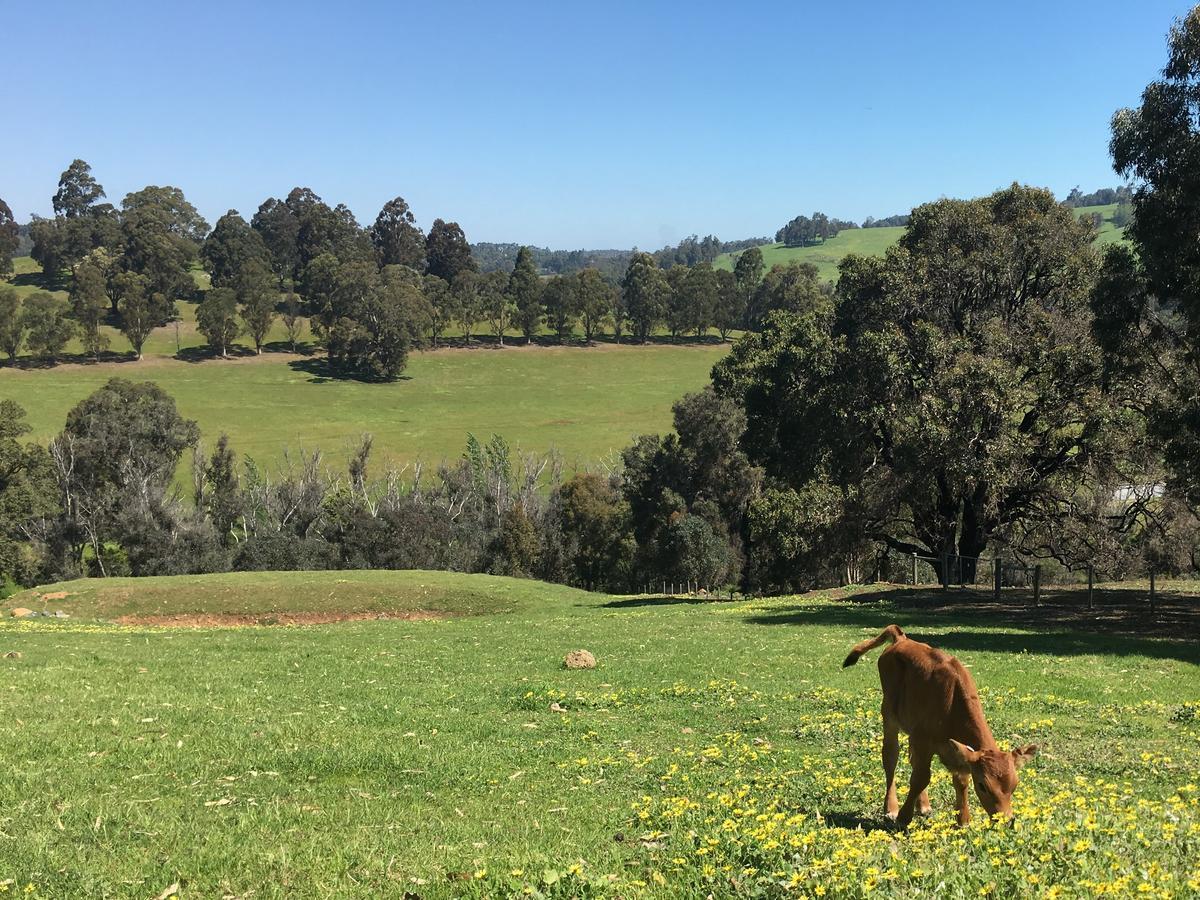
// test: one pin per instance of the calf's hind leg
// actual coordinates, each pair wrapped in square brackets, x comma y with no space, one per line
[924,807]
[891,755]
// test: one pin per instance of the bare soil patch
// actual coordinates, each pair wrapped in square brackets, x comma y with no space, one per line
[237,620]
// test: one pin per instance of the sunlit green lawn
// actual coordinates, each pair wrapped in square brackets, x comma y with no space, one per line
[719,748]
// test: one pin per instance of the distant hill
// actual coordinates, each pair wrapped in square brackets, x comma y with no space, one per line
[875,241]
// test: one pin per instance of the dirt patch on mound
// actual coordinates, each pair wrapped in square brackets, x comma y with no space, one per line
[235,620]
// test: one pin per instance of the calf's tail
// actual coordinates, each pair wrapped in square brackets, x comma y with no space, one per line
[889,635]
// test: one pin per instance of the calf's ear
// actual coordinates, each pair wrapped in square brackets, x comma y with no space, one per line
[1024,754]
[961,756]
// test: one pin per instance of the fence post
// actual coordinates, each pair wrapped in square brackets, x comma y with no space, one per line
[914,568]
[996,578]
[1091,585]
[945,571]
[1151,590]
[1037,584]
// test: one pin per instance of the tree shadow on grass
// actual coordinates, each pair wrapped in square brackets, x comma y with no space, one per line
[320,371]
[1061,626]
[204,353]
[34,363]
[635,602]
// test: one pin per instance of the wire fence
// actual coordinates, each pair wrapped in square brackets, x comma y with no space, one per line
[998,574]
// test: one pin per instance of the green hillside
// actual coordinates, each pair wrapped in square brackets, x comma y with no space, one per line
[875,241]
[826,256]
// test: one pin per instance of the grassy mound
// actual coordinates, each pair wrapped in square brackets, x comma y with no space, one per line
[267,595]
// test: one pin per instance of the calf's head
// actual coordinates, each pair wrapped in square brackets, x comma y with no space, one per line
[994,773]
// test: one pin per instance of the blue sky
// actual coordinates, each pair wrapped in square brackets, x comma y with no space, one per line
[573,125]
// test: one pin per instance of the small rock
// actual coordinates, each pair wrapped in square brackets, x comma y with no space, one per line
[59,614]
[689,730]
[21,612]
[579,659]
[554,707]
[13,654]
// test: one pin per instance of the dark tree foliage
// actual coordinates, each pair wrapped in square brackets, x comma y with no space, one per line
[9,238]
[491,257]
[1101,197]
[804,231]
[162,237]
[795,287]
[897,221]
[525,289]
[89,304]
[447,253]
[321,229]
[78,192]
[442,303]
[49,250]
[12,325]
[645,292]
[231,245]
[140,310]
[47,325]
[28,496]
[258,298]
[691,251]
[397,239]
[370,322]
[594,299]
[560,301]
[951,395]
[748,274]
[730,311]
[115,460]
[701,471]
[217,319]
[277,225]
[597,530]
[1148,307]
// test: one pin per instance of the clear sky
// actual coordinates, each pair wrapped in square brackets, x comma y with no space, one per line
[567,124]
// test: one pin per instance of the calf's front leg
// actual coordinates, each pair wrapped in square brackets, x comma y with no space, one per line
[920,755]
[962,782]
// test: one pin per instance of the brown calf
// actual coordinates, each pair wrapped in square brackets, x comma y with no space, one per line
[931,697]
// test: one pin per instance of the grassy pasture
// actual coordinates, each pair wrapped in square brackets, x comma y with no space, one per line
[586,402]
[719,748]
[875,242]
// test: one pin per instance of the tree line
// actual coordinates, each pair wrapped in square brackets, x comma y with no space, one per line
[369,296]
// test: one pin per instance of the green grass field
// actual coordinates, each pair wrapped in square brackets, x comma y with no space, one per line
[875,241]
[718,749]
[585,402]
